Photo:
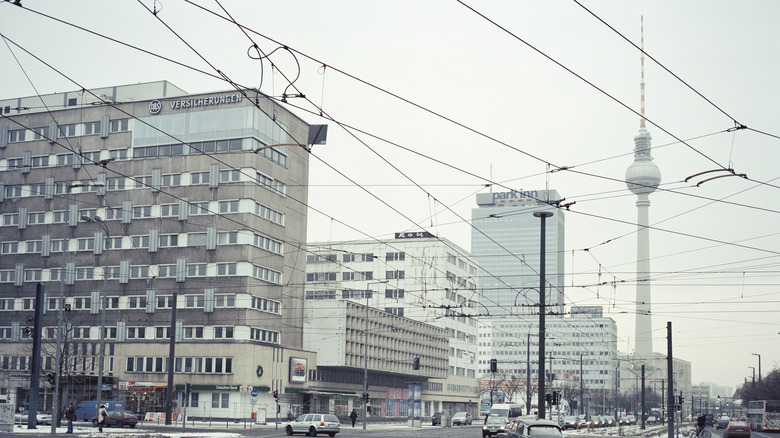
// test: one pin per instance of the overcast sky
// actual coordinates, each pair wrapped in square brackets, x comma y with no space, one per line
[503,107]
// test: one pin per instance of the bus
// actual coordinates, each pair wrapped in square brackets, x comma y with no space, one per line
[764,415]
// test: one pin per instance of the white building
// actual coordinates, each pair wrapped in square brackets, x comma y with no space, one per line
[416,276]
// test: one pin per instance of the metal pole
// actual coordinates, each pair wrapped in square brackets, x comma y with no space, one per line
[663,404]
[365,367]
[60,304]
[35,374]
[528,375]
[171,358]
[101,357]
[543,215]
[643,398]
[759,366]
[670,377]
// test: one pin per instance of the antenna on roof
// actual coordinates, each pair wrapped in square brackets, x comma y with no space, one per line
[642,83]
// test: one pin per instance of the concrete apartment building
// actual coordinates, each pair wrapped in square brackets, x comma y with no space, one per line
[413,281]
[193,202]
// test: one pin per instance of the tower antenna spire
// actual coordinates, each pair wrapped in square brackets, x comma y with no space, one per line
[642,82]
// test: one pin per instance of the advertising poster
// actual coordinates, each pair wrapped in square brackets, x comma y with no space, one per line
[297,370]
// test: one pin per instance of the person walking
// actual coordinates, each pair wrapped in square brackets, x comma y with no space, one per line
[353,417]
[70,415]
[102,414]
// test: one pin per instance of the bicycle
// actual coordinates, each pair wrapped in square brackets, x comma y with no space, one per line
[697,433]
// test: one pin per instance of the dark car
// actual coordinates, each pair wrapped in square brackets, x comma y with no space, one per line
[494,426]
[532,428]
[737,429]
[723,421]
[118,418]
[436,419]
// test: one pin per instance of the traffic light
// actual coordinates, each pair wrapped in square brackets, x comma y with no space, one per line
[548,398]
[276,394]
[50,378]
[493,365]
[416,363]
[555,397]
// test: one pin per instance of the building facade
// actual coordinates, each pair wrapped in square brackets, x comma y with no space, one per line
[413,277]
[505,240]
[581,359]
[137,203]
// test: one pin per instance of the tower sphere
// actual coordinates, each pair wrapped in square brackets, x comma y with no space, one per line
[643,177]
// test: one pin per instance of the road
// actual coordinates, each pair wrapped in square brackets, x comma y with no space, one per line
[236,430]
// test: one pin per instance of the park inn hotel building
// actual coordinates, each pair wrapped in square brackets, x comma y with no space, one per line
[196,211]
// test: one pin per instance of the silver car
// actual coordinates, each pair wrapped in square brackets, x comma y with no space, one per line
[312,424]
[462,418]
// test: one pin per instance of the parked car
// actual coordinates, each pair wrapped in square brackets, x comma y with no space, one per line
[312,424]
[737,429]
[531,428]
[494,426]
[436,419]
[723,421]
[42,417]
[87,409]
[117,418]
[462,418]
[571,422]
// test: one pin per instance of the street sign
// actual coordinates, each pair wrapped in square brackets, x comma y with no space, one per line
[254,393]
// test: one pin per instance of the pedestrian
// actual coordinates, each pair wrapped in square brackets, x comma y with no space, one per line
[70,415]
[102,414]
[353,417]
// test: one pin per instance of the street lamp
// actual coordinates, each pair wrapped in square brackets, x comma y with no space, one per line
[543,215]
[102,304]
[759,366]
[60,305]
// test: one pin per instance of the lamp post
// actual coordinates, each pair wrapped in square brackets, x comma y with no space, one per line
[543,215]
[365,357]
[60,305]
[101,357]
[759,366]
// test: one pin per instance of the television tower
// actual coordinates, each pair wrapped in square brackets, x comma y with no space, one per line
[642,178]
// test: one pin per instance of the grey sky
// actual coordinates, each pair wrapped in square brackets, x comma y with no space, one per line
[715,248]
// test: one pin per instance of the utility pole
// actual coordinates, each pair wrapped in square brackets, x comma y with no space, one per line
[171,359]
[643,398]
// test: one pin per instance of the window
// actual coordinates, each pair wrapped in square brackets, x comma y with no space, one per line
[196,270]
[139,272]
[321,276]
[165,302]
[394,293]
[41,133]
[223,332]
[226,268]
[114,213]
[85,273]
[34,247]
[269,214]
[398,311]
[13,191]
[161,332]
[91,156]
[136,332]
[142,182]
[92,128]
[192,301]
[196,239]
[394,275]
[168,210]
[137,302]
[31,275]
[391,256]
[219,399]
[9,248]
[35,218]
[200,178]
[357,276]
[140,241]
[119,125]
[272,184]
[193,332]
[228,206]
[82,303]
[229,175]
[142,212]
[116,183]
[171,180]
[64,160]
[269,244]
[226,238]
[224,300]
[264,335]
[87,244]
[16,136]
[67,130]
[169,240]
[197,208]
[118,154]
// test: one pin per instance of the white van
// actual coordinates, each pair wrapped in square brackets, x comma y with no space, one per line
[510,411]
